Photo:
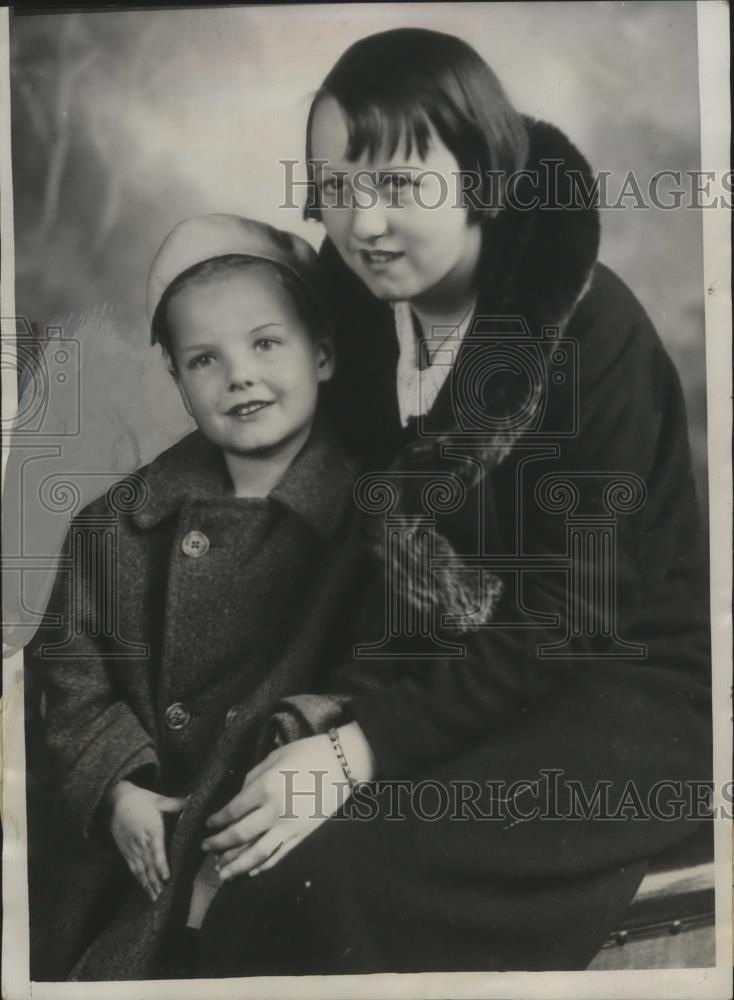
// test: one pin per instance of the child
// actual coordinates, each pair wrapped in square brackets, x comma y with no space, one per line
[230,561]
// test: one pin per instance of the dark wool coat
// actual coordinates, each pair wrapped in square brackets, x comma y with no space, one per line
[623,700]
[608,440]
[187,614]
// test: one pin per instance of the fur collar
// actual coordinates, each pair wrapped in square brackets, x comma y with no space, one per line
[539,261]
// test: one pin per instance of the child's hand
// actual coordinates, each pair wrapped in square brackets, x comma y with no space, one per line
[284,799]
[137,828]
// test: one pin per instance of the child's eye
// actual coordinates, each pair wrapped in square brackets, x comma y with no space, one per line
[266,343]
[200,361]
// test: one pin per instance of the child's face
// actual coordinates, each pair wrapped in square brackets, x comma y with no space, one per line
[246,365]
[406,235]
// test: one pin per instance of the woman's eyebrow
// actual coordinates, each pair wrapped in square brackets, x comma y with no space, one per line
[392,168]
[395,168]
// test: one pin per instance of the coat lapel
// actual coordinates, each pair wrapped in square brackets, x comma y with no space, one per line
[315,487]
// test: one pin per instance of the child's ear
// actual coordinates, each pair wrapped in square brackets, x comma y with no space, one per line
[325,359]
[174,375]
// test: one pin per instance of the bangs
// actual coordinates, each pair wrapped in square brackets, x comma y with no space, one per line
[381,129]
[400,88]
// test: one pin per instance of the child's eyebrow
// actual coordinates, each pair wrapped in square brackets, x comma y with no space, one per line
[195,348]
[264,326]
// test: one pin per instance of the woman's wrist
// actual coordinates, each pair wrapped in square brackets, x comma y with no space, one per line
[357,751]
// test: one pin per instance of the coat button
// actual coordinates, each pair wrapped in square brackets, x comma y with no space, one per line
[232,714]
[177,716]
[195,544]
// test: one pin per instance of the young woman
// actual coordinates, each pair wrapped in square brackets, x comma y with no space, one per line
[484,349]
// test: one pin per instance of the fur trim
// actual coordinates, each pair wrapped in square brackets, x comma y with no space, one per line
[467,602]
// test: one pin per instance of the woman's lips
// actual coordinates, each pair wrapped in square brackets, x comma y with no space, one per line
[379,260]
[247,409]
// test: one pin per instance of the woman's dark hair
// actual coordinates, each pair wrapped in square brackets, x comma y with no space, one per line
[314,310]
[392,85]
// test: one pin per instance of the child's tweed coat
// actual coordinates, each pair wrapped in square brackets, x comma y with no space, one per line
[220,606]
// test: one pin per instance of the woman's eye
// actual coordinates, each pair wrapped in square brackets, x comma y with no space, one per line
[332,184]
[200,361]
[265,343]
[396,182]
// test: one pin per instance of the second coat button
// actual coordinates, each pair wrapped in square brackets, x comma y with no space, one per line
[195,544]
[177,715]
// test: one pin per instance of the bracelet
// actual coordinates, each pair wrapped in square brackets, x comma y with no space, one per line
[338,750]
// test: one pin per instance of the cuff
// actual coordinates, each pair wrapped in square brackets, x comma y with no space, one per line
[300,716]
[121,747]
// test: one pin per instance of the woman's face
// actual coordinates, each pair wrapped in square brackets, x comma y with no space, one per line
[397,222]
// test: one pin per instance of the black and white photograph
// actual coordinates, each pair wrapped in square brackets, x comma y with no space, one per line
[366,530]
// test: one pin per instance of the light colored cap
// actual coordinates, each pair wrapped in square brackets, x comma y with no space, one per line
[206,237]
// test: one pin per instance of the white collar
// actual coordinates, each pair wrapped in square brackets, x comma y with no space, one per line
[418,388]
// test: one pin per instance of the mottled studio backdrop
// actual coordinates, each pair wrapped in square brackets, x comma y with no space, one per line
[125,122]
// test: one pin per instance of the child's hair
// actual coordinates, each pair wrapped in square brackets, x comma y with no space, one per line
[391,85]
[315,314]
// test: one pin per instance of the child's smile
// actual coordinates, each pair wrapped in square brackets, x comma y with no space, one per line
[246,411]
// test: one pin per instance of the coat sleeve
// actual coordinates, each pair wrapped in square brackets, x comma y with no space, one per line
[92,737]
[632,421]
[299,716]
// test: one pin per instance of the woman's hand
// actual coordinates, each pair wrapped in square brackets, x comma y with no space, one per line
[137,828]
[284,799]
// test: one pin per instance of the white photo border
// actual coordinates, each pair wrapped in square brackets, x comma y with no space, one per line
[714,983]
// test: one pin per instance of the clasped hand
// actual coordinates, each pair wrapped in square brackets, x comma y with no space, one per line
[283,799]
